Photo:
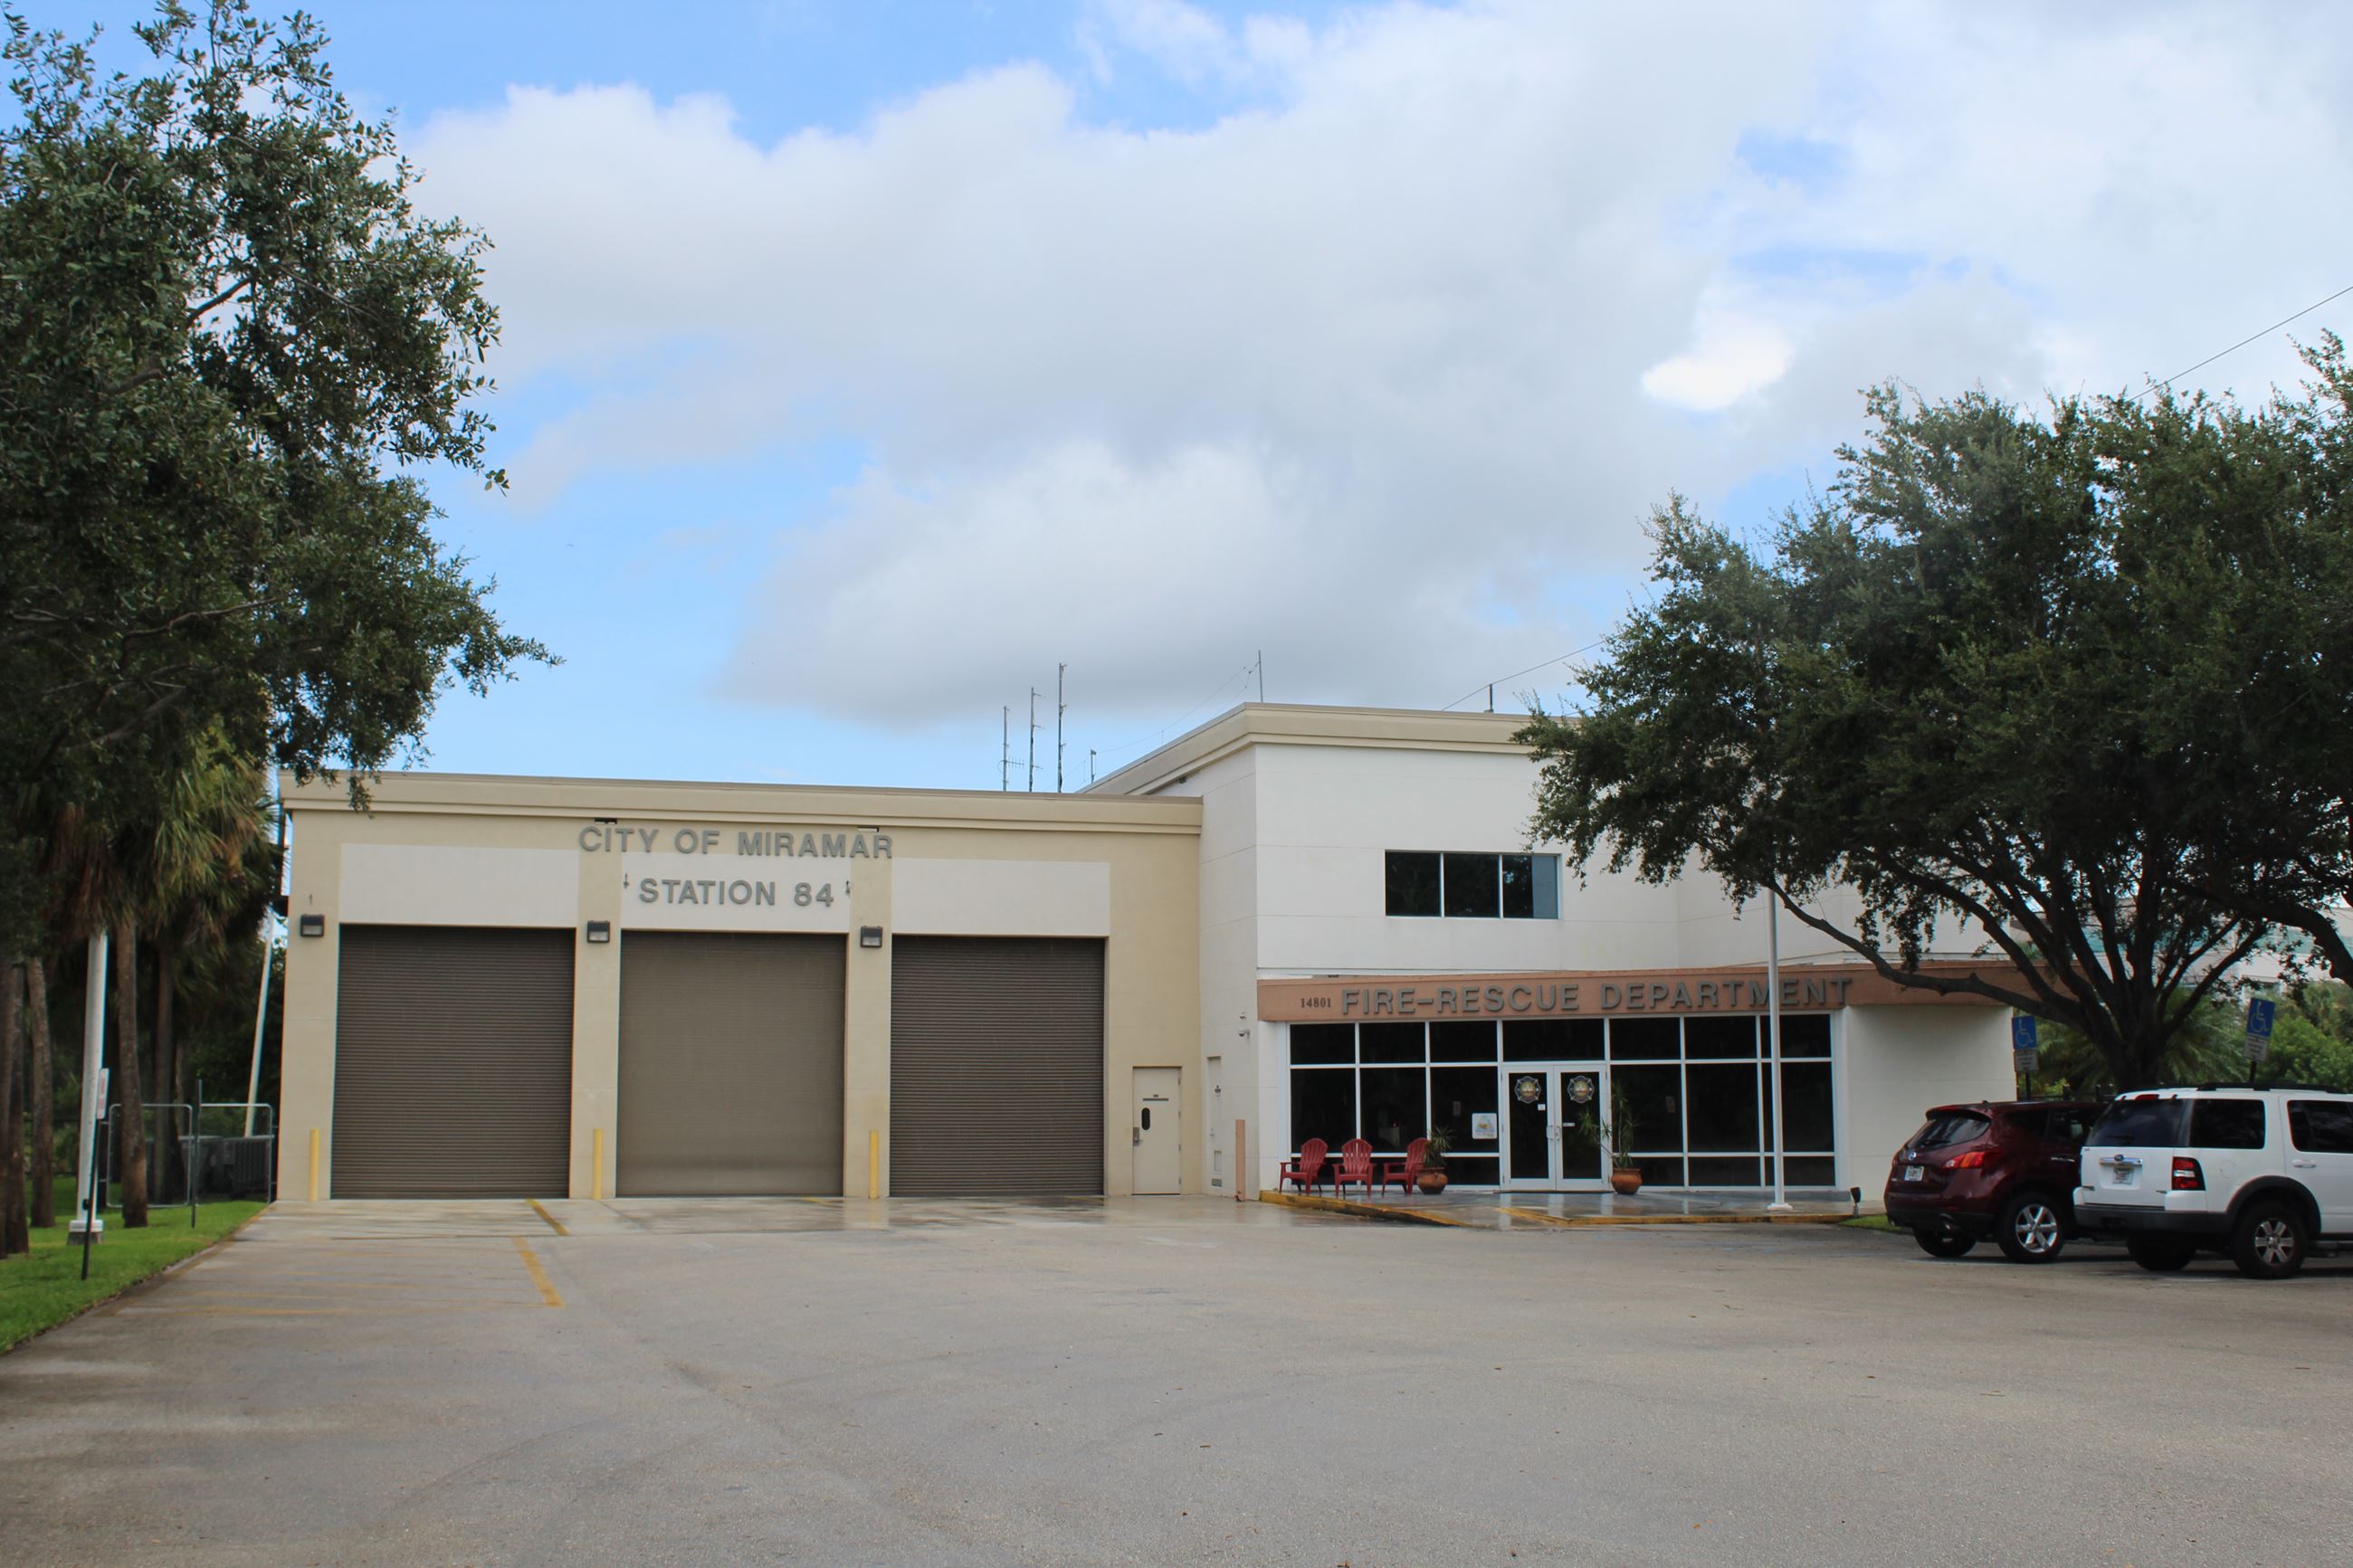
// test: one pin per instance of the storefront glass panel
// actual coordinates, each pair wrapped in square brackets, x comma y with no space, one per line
[1393,1107]
[1322,1105]
[1463,1043]
[1332,1043]
[1721,1107]
[1645,1039]
[1457,1095]
[1702,1122]
[1389,1043]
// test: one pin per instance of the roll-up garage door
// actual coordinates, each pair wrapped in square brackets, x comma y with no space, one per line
[453,1063]
[997,1065]
[731,1064]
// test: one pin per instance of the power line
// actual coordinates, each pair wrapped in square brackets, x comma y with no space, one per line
[1241,676]
[2243,342]
[1562,658]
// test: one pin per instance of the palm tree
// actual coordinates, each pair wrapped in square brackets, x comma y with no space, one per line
[208,869]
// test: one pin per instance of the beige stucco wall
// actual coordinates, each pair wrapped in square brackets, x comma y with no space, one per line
[443,849]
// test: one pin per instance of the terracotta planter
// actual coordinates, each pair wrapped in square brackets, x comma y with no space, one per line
[1432,1182]
[1626,1179]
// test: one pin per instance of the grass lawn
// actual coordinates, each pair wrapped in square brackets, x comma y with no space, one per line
[46,1287]
[1871,1222]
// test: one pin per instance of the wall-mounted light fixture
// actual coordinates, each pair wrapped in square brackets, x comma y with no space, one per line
[869,936]
[600,931]
[313,925]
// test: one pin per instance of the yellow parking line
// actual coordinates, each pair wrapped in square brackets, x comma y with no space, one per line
[538,1274]
[553,1223]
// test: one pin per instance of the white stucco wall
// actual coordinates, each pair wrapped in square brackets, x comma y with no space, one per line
[1901,1060]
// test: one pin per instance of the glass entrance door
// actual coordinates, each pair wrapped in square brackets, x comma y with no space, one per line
[1550,1121]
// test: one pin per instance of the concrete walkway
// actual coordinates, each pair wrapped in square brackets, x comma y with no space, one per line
[1554,1211]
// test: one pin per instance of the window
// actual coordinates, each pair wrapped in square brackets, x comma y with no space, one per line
[1474,887]
[2139,1124]
[1706,1119]
[2226,1124]
[1948,1128]
[2321,1126]
[1466,886]
[1412,883]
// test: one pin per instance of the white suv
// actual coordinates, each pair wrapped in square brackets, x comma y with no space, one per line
[2261,1175]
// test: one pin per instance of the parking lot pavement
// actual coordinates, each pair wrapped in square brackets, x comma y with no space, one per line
[1173,1382]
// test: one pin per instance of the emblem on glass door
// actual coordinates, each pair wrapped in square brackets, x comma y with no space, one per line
[1580,1090]
[1527,1091]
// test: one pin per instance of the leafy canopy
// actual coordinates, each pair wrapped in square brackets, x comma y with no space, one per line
[232,348]
[2068,693]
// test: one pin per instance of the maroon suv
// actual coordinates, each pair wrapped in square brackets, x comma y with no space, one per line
[2007,1170]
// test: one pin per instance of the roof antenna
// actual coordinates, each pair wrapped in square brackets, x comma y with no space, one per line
[1261,675]
[1061,707]
[1491,697]
[1005,751]
[1033,739]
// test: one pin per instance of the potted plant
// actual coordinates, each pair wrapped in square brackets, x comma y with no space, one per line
[1432,1179]
[1618,1134]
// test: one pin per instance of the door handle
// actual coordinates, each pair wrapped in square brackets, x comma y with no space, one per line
[2305,1165]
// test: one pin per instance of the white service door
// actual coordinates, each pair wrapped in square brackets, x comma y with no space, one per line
[1156,1131]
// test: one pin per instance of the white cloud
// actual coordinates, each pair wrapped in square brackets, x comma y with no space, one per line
[1376,373]
[1730,359]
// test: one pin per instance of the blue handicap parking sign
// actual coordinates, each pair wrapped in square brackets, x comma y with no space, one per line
[2259,1019]
[2021,1034]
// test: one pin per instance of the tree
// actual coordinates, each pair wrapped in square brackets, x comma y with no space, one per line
[233,351]
[2009,685]
[42,1094]
[207,866]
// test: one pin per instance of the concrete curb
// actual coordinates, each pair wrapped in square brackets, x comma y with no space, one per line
[1475,1219]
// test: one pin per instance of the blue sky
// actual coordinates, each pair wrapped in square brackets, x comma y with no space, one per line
[865,361]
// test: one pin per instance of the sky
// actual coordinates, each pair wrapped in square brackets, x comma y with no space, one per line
[864,361]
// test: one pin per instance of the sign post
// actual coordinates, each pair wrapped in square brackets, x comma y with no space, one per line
[2259,1034]
[2024,1052]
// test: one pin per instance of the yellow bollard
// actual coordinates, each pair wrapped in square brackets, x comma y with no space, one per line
[597,1167]
[314,1165]
[873,1162]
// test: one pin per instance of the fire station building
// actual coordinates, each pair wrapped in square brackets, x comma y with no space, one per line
[1293,922]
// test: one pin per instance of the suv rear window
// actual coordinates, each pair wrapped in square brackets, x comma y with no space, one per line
[1948,1128]
[2140,1124]
[2226,1124]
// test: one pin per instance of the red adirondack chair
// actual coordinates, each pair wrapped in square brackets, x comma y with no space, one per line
[1356,1165]
[1305,1171]
[1405,1175]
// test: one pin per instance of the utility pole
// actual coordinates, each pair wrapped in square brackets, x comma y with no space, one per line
[1033,739]
[1005,751]
[1060,707]
[1780,1203]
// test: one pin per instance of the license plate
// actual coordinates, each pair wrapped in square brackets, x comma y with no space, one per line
[1910,1172]
[2123,1175]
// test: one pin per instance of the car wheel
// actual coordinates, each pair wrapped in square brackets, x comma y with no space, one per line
[2157,1255]
[2031,1228]
[1943,1243]
[2268,1242]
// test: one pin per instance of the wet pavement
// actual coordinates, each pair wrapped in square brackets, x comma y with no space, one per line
[1164,1381]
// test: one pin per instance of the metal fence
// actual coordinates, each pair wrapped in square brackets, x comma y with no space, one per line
[196,1152]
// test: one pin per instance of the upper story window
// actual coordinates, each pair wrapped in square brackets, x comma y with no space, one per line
[1474,887]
